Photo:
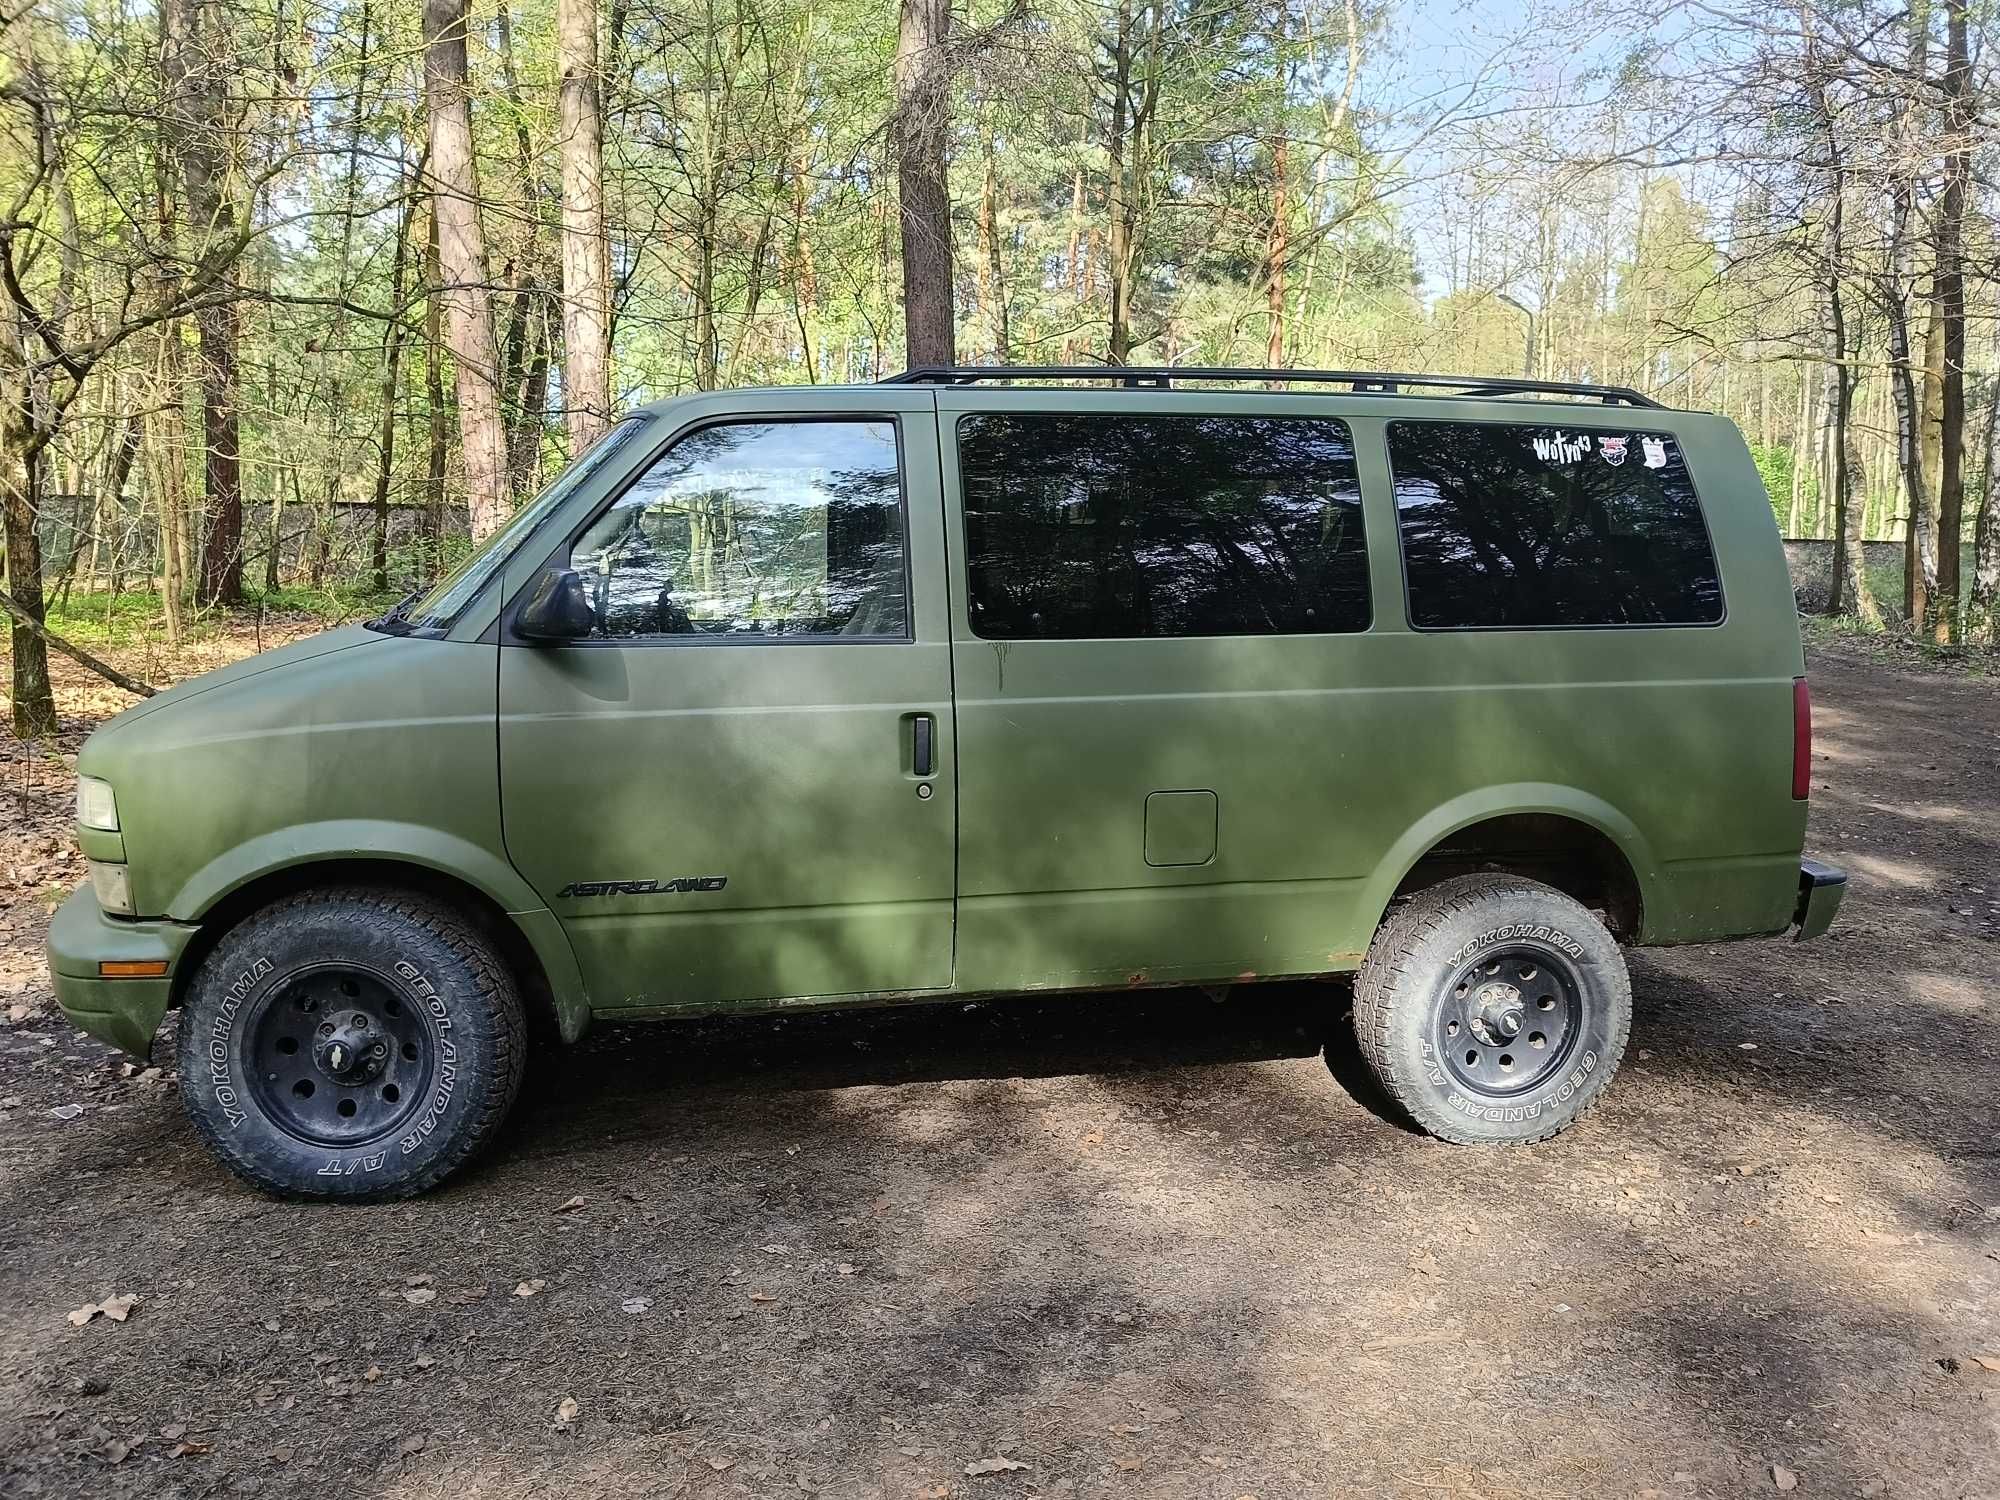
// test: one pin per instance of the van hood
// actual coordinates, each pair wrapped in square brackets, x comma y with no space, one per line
[341,638]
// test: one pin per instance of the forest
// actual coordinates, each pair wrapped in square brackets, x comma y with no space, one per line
[299,298]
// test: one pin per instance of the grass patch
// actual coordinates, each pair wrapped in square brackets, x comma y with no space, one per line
[138,617]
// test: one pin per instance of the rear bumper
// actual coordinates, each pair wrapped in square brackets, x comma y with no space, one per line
[123,1012]
[1820,889]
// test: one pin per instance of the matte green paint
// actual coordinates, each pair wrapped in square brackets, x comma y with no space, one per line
[123,1012]
[1122,811]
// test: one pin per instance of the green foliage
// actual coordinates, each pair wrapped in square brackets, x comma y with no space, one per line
[1776,465]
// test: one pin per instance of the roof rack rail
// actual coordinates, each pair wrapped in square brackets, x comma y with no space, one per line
[1361,382]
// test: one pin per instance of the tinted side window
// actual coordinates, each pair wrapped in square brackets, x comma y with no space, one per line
[1087,526]
[756,529]
[1516,527]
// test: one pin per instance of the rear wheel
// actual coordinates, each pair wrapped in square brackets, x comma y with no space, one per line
[1493,1009]
[350,1044]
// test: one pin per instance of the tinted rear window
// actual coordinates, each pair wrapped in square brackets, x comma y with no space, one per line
[1086,526]
[1515,527]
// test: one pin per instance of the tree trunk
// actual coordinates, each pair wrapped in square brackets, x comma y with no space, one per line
[167,463]
[586,249]
[992,268]
[1920,571]
[1117,146]
[34,700]
[392,351]
[1958,111]
[1848,592]
[1277,240]
[222,533]
[195,75]
[919,131]
[1982,613]
[1801,455]
[439,446]
[454,180]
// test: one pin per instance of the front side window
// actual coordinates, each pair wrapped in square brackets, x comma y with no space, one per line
[1092,526]
[1515,527]
[756,529]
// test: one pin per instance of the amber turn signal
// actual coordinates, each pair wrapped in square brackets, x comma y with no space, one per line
[133,968]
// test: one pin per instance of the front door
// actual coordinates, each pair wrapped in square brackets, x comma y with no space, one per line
[739,788]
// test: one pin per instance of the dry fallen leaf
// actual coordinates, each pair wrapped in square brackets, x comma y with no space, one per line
[281,1455]
[1129,1462]
[991,1466]
[845,1268]
[372,1374]
[571,1205]
[426,1279]
[719,1464]
[424,1361]
[173,1431]
[188,1450]
[566,1411]
[529,1288]
[1784,1478]
[762,1297]
[411,1444]
[776,1250]
[417,1296]
[117,1309]
[636,1304]
[1987,1362]
[115,1451]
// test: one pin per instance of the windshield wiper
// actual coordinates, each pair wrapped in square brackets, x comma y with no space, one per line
[395,620]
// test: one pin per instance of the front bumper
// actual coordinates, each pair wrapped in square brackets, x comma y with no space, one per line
[123,1012]
[1820,889]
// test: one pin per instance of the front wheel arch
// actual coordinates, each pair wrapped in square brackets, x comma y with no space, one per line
[539,960]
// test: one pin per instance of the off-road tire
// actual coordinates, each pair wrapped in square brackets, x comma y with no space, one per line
[430,971]
[1408,994]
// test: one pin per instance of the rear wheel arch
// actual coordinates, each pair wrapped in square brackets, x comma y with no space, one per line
[1569,840]
[551,990]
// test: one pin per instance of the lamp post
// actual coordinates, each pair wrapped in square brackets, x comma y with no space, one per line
[1528,358]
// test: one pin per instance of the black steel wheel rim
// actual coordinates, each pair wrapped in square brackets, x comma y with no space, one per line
[339,1055]
[1509,1020]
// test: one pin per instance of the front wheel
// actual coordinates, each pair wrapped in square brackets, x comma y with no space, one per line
[1493,1009]
[350,1043]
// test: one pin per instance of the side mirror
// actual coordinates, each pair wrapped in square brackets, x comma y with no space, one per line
[556,609]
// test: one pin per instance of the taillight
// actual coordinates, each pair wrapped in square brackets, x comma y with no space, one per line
[1801,740]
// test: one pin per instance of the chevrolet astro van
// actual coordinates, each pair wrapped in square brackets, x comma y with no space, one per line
[978,682]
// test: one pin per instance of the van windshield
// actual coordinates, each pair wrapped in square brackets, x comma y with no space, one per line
[436,607]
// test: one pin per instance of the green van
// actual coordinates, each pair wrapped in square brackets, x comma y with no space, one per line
[980,681]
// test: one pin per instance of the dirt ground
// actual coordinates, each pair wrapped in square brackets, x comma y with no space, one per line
[1131,1245]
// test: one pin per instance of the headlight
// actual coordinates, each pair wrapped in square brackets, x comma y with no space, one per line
[113,885]
[95,806]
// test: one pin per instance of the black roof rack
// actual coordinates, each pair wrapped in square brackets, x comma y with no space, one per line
[1362,382]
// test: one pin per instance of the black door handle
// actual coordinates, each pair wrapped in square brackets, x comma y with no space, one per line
[922,753]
